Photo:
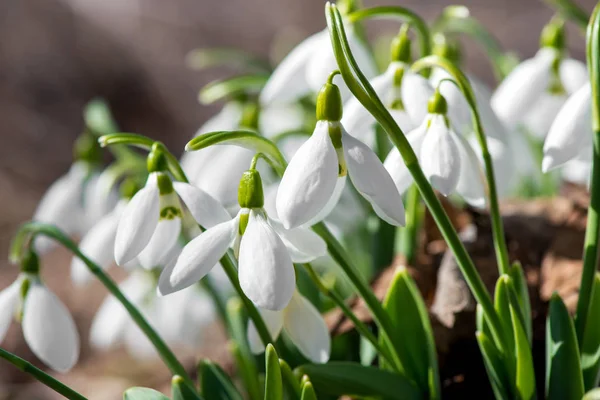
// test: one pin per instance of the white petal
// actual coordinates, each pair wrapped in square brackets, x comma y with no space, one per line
[164,239]
[471,183]
[571,131]
[99,198]
[309,180]
[459,112]
[288,83]
[331,205]
[306,327]
[49,329]
[416,91]
[110,322]
[577,171]
[394,163]
[265,268]
[573,74]
[403,120]
[207,211]
[137,224]
[98,245]
[439,156]
[274,322]
[9,300]
[278,118]
[539,118]
[303,244]
[522,87]
[372,180]
[199,256]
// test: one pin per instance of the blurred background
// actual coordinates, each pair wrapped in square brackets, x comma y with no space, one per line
[56,55]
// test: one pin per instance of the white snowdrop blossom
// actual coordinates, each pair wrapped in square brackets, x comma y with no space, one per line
[265,251]
[179,319]
[314,179]
[150,224]
[48,327]
[303,71]
[218,169]
[302,323]
[536,89]
[447,159]
[405,95]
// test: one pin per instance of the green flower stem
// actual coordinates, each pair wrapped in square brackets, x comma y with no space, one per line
[397,12]
[363,91]
[409,235]
[232,87]
[360,326]
[570,11]
[465,87]
[590,252]
[41,376]
[26,234]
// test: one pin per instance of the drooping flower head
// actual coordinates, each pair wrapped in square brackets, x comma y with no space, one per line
[48,327]
[446,158]
[314,179]
[265,251]
[536,89]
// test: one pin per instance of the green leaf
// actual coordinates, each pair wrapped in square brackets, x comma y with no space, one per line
[590,350]
[182,391]
[273,384]
[290,382]
[502,306]
[522,291]
[215,384]
[592,395]
[525,374]
[231,87]
[243,138]
[308,392]
[495,365]
[352,379]
[413,337]
[564,379]
[141,393]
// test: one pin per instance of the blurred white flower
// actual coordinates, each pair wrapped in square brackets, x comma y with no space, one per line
[179,319]
[536,89]
[150,224]
[315,177]
[48,327]
[303,71]
[303,324]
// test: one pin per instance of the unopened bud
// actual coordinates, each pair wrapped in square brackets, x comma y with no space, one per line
[329,101]
[250,191]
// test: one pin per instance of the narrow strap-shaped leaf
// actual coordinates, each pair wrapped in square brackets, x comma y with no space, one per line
[308,392]
[495,365]
[520,285]
[564,379]
[215,384]
[525,375]
[141,393]
[273,383]
[181,390]
[243,138]
[590,350]
[290,382]
[412,334]
[502,306]
[352,379]
[231,87]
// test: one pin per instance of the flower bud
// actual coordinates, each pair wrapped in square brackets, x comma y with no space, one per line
[30,263]
[250,115]
[250,191]
[86,148]
[553,35]
[329,101]
[401,46]
[156,161]
[447,48]
[437,104]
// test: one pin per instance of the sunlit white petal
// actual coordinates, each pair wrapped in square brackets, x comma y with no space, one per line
[274,322]
[539,118]
[204,208]
[303,244]
[439,156]
[573,74]
[9,299]
[471,183]
[416,92]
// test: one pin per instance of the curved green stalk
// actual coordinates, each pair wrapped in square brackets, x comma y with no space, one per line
[465,87]
[26,234]
[363,91]
[571,11]
[409,238]
[590,252]
[41,376]
[199,59]
[401,13]
[231,87]
[360,326]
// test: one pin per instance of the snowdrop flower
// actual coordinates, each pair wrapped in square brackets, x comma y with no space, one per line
[303,324]
[404,93]
[48,327]
[265,251]
[571,133]
[305,68]
[150,224]
[218,169]
[446,158]
[537,88]
[315,177]
[179,319]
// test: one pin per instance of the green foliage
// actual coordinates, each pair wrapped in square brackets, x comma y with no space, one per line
[182,391]
[590,350]
[273,383]
[215,384]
